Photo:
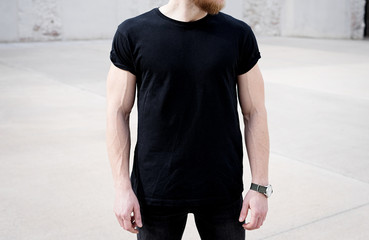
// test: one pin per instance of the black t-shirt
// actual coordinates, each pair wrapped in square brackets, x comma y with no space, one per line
[189,145]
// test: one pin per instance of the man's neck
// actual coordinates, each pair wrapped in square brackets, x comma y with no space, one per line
[182,10]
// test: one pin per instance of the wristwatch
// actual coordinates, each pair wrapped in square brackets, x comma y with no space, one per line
[266,190]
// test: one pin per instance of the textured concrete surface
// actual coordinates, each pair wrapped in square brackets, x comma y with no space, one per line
[50,20]
[314,18]
[55,179]
[264,16]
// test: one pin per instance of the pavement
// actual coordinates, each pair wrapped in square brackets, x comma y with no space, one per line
[55,177]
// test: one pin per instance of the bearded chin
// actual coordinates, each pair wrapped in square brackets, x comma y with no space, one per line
[210,6]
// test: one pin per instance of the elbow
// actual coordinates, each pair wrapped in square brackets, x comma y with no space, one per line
[115,112]
[126,113]
[246,115]
[253,113]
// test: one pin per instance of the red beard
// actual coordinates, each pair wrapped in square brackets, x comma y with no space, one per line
[210,6]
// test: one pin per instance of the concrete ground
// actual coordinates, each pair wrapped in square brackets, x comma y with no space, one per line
[55,178]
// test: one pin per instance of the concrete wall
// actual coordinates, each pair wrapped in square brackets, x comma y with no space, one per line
[313,18]
[44,20]
[49,20]
[327,18]
[263,15]
[8,20]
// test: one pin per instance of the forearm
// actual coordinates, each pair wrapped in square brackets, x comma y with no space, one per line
[118,146]
[257,145]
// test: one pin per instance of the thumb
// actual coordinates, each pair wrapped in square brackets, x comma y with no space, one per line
[244,211]
[137,213]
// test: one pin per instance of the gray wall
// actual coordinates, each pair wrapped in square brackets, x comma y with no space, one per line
[323,18]
[307,18]
[48,20]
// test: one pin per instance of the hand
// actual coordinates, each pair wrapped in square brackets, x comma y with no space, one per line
[125,203]
[258,204]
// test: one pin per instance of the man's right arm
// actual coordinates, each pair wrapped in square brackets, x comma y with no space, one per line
[120,95]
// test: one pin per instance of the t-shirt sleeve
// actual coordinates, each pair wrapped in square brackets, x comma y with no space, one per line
[121,54]
[249,51]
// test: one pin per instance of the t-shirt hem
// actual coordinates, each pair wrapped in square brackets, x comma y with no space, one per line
[189,202]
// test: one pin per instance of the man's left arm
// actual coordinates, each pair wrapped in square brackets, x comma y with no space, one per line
[252,102]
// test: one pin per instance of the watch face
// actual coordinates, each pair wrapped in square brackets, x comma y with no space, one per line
[269,190]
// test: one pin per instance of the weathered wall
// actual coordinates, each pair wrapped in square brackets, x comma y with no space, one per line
[263,15]
[357,8]
[48,20]
[313,18]
[39,19]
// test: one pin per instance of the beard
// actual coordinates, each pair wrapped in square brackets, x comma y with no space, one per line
[210,6]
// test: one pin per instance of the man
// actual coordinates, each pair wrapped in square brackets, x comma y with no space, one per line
[188,61]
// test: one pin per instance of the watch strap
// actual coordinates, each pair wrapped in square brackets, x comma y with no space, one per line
[258,188]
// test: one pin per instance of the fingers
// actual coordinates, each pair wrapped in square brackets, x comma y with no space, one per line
[134,224]
[253,222]
[129,222]
[244,212]
[137,215]
[256,221]
[128,225]
[259,223]
[120,220]
[126,221]
[258,205]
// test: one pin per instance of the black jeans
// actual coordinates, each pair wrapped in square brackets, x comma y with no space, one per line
[215,223]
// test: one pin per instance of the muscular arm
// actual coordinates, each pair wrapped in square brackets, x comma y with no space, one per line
[252,102]
[120,96]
